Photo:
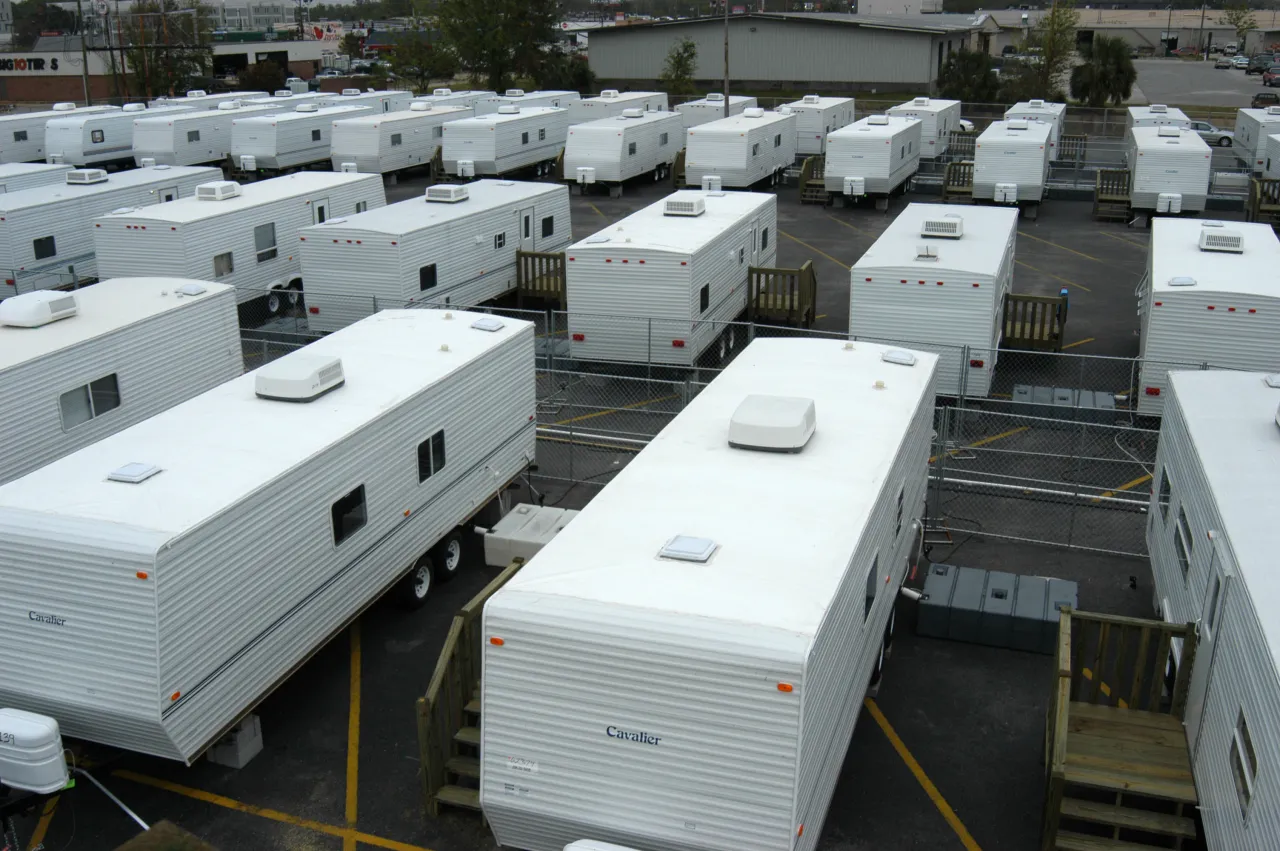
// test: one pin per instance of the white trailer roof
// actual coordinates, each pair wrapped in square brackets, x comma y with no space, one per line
[80,119]
[57,113]
[335,112]
[203,100]
[617,122]
[999,130]
[1170,113]
[622,97]
[377,119]
[241,111]
[417,214]
[1025,107]
[822,102]
[689,481]
[1188,140]
[287,100]
[864,128]
[8,170]
[211,448]
[1231,418]
[490,119]
[979,252]
[925,105]
[1175,253]
[732,100]
[160,174]
[740,123]
[651,230]
[102,308]
[193,208]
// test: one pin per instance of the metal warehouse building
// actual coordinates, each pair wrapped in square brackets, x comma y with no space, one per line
[809,51]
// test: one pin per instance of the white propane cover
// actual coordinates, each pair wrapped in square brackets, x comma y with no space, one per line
[523,532]
[586,174]
[1006,193]
[855,186]
[248,162]
[466,168]
[1169,202]
[299,377]
[31,752]
[40,307]
[348,168]
[711,183]
[772,423]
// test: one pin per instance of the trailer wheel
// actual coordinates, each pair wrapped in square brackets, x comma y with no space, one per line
[724,345]
[888,628]
[878,671]
[275,302]
[415,587]
[447,556]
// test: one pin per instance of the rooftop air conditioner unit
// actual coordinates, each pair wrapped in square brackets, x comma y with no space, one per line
[632,113]
[772,423]
[441,92]
[513,93]
[40,307]
[147,162]
[1017,124]
[715,97]
[1221,239]
[1159,107]
[814,99]
[197,93]
[947,226]
[218,190]
[920,102]
[684,206]
[282,93]
[878,119]
[1168,132]
[508,109]
[86,176]
[753,112]
[300,377]
[1273,110]
[1036,103]
[609,93]
[134,107]
[229,104]
[307,107]
[419,106]
[346,93]
[63,107]
[447,193]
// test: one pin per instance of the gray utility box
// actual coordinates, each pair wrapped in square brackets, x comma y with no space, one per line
[1064,404]
[966,605]
[996,624]
[1029,614]
[935,603]
[994,608]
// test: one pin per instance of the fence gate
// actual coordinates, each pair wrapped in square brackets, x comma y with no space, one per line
[1264,201]
[962,143]
[540,275]
[1111,193]
[958,182]
[1034,321]
[782,295]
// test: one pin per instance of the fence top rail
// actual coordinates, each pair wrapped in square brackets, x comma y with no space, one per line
[1174,629]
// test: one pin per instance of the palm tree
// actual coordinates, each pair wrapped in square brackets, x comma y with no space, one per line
[968,77]
[1106,75]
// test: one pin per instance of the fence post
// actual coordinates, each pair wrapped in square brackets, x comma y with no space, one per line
[572,444]
[551,341]
[648,360]
[962,384]
[944,430]
[1075,484]
[264,351]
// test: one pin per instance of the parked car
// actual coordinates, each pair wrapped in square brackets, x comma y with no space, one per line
[1187,51]
[1260,63]
[1231,49]
[1240,62]
[1264,99]
[1271,76]
[1223,62]
[1212,135]
[330,72]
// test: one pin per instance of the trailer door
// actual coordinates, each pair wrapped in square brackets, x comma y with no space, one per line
[526,229]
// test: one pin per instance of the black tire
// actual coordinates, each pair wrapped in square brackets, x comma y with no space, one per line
[723,345]
[1224,142]
[446,556]
[889,627]
[413,590]
[276,301]
[878,671]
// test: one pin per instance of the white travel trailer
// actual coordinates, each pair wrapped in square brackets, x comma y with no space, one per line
[938,118]
[455,247]
[1210,296]
[78,366]
[385,100]
[231,536]
[741,150]
[284,100]
[297,85]
[15,177]
[612,102]
[194,138]
[526,100]
[1253,126]
[243,235]
[675,655]
[201,99]
[1156,115]
[874,156]
[1170,167]
[46,233]
[287,140]
[936,279]
[816,116]
[1271,167]
[99,138]
[382,144]
[711,108]
[1011,162]
[22,133]
[448,97]
[1053,114]
[613,150]
[508,140]
[1213,564]
[660,285]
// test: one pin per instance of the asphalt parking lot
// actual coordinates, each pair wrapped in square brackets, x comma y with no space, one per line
[1194,83]
[948,758]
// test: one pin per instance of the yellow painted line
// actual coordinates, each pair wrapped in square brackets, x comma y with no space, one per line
[819,316]
[263,812]
[1062,247]
[42,826]
[1127,241]
[1003,395]
[818,251]
[1145,477]
[632,406]
[849,226]
[597,209]
[353,739]
[1079,342]
[1104,688]
[1055,277]
[984,441]
[588,443]
[923,779]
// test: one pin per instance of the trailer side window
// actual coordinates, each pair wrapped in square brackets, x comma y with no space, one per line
[397,139]
[88,401]
[361,206]
[742,255]
[755,149]
[524,138]
[873,585]
[704,298]
[223,265]
[1244,763]
[45,247]
[764,239]
[193,136]
[349,515]
[1166,492]
[1180,550]
[777,141]
[97,136]
[315,135]
[548,226]
[631,149]
[662,140]
[542,134]
[897,519]
[264,240]
[426,277]
[431,456]
[19,135]
[499,240]
[1184,526]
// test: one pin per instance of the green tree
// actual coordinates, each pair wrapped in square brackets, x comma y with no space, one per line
[1239,18]
[168,44]
[351,45]
[498,39]
[417,62]
[679,67]
[565,72]
[264,76]
[1051,47]
[33,17]
[1107,74]
[968,76]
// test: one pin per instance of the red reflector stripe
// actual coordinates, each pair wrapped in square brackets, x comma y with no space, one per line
[1153,391]
[579,338]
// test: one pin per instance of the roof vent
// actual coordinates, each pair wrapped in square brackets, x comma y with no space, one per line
[812,99]
[282,93]
[218,190]
[306,107]
[488,323]
[1272,380]
[609,93]
[772,423]
[1182,281]
[133,473]
[1159,107]
[134,107]
[513,93]
[715,97]
[1215,239]
[86,176]
[689,205]
[419,106]
[1036,103]
[632,113]
[300,377]
[1273,110]
[441,92]
[229,104]
[192,288]
[753,112]
[447,193]
[899,356]
[948,226]
[40,307]
[689,548]
[197,93]
[346,93]
[63,107]
[1166,131]
[920,102]
[712,183]
[878,119]
[508,109]
[1017,124]
[785,109]
[926,252]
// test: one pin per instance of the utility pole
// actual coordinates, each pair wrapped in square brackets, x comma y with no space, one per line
[1204,54]
[111,52]
[84,55]
[1168,32]
[726,57]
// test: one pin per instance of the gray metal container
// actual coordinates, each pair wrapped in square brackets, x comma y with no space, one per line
[935,603]
[1063,593]
[1041,401]
[996,623]
[966,604]
[1029,612]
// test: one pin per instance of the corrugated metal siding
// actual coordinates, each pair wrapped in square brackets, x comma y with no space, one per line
[733,154]
[32,149]
[17,177]
[702,111]
[604,148]
[279,144]
[72,138]
[884,162]
[591,109]
[1271,165]
[159,362]
[1161,168]
[1253,126]
[776,50]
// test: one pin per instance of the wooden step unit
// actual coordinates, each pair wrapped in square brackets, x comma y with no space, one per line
[1128,818]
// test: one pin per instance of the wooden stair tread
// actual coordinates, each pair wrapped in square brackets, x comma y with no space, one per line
[1168,788]
[468,736]
[1128,817]
[1126,717]
[464,766]
[473,706]
[1068,841]
[459,796]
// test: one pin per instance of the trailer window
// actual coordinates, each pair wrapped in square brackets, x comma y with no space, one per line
[396,140]
[193,136]
[264,240]
[223,265]
[631,149]
[431,456]
[764,239]
[1244,763]
[1166,492]
[704,298]
[662,140]
[542,134]
[426,277]
[96,136]
[437,132]
[361,206]
[524,138]
[777,141]
[897,519]
[873,585]
[315,135]
[349,515]
[548,226]
[45,247]
[1184,526]
[499,240]
[88,401]
[742,255]
[1180,549]
[19,135]
[755,149]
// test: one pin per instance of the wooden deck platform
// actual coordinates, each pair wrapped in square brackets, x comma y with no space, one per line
[1124,750]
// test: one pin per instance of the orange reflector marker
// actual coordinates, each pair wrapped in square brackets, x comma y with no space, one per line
[800,830]
[141,574]
[496,641]
[785,687]
[175,695]
[406,512]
